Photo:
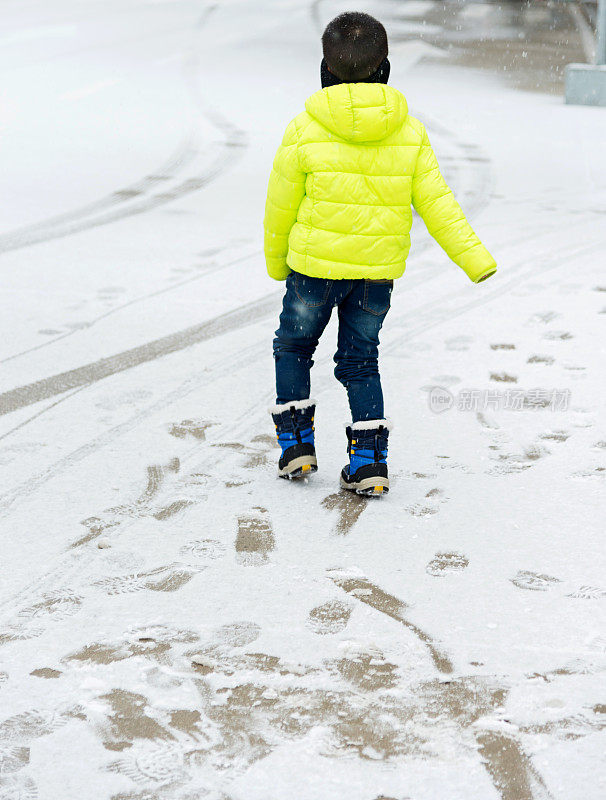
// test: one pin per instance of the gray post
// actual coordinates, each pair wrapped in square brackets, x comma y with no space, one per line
[600,47]
[586,83]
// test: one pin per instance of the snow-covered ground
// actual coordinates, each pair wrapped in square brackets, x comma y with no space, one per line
[176,622]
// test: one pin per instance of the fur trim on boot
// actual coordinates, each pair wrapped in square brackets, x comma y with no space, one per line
[370,424]
[299,405]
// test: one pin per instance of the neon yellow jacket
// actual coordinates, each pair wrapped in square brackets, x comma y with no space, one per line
[342,184]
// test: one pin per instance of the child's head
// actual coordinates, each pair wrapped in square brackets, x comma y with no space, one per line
[355,45]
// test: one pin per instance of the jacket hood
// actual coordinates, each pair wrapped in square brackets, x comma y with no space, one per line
[359,112]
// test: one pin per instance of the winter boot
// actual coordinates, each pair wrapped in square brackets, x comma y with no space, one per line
[366,472]
[295,431]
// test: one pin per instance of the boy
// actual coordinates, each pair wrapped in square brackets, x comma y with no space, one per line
[337,224]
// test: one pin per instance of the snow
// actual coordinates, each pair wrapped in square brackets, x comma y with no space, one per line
[175,621]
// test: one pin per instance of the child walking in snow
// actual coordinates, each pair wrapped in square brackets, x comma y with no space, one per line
[337,225]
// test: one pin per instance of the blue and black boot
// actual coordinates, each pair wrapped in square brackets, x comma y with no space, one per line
[366,472]
[295,431]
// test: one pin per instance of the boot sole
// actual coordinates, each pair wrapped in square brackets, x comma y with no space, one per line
[371,487]
[299,468]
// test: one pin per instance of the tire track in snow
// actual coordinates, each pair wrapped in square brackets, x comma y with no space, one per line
[123,203]
[62,224]
[40,413]
[91,373]
[245,355]
[135,300]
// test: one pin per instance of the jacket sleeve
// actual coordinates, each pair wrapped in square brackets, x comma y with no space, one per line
[285,192]
[445,220]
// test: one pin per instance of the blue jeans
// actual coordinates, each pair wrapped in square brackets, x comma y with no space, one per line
[308,304]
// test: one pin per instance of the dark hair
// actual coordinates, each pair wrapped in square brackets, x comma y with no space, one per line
[354,45]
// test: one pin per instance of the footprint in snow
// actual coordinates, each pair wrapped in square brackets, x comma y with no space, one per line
[331,617]
[534,581]
[148,760]
[58,604]
[172,509]
[487,422]
[367,671]
[507,467]
[162,579]
[540,359]
[419,510]
[18,787]
[443,563]
[503,377]
[237,634]
[33,724]
[254,540]
[555,436]
[543,317]
[12,759]
[582,418]
[597,473]
[200,552]
[47,673]
[151,641]
[16,632]
[191,427]
[588,593]
[218,649]
[349,507]
[258,452]
[458,343]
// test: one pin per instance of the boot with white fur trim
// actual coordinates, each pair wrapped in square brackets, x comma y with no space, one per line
[366,472]
[295,431]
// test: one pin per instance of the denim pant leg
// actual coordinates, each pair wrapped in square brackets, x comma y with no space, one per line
[361,316]
[305,313]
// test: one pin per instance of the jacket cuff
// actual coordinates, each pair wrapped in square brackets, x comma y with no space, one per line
[478,264]
[483,275]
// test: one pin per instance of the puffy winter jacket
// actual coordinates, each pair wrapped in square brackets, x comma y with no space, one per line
[342,184]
